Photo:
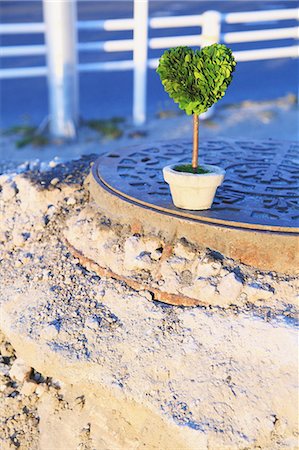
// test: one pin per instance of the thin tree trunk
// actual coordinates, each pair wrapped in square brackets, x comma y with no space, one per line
[195,143]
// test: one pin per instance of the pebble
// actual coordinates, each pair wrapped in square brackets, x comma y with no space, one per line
[28,388]
[156,255]
[145,258]
[147,294]
[92,322]
[183,251]
[6,350]
[41,389]
[54,181]
[3,236]
[38,377]
[207,270]
[18,239]
[38,277]
[229,289]
[45,274]
[101,294]
[20,371]
[256,292]
[116,248]
[49,332]
[71,201]
[51,211]
[224,272]
[8,191]
[110,319]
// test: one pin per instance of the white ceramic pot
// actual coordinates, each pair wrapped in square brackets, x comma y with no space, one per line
[193,191]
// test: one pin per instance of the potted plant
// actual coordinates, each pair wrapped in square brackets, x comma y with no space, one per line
[195,80]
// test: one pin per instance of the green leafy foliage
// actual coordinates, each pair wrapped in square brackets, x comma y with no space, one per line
[196,79]
[187,168]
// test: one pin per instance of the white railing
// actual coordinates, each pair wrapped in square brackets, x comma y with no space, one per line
[124,45]
[209,24]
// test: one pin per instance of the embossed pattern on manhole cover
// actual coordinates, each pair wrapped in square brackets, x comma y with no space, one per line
[260,188]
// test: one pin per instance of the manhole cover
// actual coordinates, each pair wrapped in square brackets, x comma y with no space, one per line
[260,190]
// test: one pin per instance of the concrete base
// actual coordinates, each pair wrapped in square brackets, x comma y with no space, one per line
[254,215]
[263,250]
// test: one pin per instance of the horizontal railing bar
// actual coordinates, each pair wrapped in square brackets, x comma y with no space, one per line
[39,27]
[119,45]
[173,41]
[245,55]
[261,16]
[108,24]
[107,46]
[176,21]
[269,53]
[261,35]
[252,55]
[157,22]
[22,50]
[106,66]
[22,28]
[23,72]
[116,45]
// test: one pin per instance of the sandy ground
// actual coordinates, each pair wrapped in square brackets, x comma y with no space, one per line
[277,119]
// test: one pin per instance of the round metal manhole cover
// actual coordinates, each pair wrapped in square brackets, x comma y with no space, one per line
[260,190]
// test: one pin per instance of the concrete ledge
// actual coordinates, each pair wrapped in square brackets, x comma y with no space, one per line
[176,272]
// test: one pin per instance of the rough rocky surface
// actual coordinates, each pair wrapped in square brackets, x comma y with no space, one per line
[173,269]
[88,362]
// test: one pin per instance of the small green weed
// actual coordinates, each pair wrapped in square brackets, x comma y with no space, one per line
[108,128]
[28,135]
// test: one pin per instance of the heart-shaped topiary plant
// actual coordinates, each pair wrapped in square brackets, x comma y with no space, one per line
[196,80]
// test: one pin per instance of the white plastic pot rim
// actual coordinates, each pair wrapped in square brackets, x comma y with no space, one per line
[214,177]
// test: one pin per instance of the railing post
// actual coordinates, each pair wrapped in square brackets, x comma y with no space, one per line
[61,38]
[211,28]
[140,60]
[210,34]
